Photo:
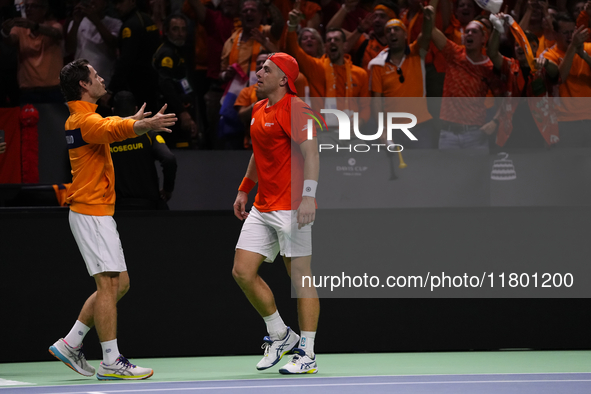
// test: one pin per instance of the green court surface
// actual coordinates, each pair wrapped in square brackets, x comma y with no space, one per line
[330,365]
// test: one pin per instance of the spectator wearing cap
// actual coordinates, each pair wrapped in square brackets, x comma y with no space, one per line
[397,73]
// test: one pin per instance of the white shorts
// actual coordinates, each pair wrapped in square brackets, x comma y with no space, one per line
[269,233]
[98,241]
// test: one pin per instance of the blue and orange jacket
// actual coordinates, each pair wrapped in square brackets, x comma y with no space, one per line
[88,136]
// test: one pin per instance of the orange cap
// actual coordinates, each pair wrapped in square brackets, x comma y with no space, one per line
[289,66]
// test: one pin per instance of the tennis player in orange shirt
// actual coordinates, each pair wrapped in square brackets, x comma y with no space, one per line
[283,213]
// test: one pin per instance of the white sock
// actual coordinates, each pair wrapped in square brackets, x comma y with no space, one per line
[77,334]
[307,342]
[275,326]
[110,351]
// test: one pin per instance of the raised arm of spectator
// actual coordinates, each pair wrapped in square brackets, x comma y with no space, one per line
[492,49]
[306,62]
[427,29]
[524,22]
[438,38]
[7,38]
[584,54]
[516,11]
[109,37]
[199,9]
[363,27]
[72,35]
[579,36]
[338,18]
[265,41]
[584,18]
[549,33]
[168,163]
[445,10]
[277,18]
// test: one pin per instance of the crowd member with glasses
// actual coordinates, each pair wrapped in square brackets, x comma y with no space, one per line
[39,43]
[398,72]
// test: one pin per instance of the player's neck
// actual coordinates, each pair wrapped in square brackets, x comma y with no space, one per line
[276,96]
[395,57]
[86,97]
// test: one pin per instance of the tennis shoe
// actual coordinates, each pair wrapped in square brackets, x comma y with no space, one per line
[72,357]
[122,369]
[300,363]
[275,350]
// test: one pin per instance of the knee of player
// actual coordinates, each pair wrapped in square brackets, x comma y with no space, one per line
[242,275]
[123,289]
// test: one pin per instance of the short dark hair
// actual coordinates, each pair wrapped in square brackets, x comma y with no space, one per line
[336,29]
[562,17]
[70,77]
[531,38]
[124,104]
[169,18]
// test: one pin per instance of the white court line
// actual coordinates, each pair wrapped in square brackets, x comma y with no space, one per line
[338,385]
[5,382]
[284,378]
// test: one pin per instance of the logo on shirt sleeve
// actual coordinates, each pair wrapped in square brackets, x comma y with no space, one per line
[160,139]
[126,33]
[252,121]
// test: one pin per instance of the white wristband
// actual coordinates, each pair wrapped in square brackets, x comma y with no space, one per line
[309,188]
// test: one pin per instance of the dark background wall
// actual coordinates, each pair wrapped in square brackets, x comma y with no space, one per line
[184,302]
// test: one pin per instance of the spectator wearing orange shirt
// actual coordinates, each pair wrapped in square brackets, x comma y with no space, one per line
[311,42]
[398,72]
[333,75]
[39,42]
[245,43]
[538,20]
[469,77]
[572,54]
[465,12]
[368,39]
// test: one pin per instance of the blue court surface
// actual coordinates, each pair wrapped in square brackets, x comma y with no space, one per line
[509,372]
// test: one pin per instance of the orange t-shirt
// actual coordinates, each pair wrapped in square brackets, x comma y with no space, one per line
[273,131]
[544,44]
[386,80]
[243,51]
[314,69]
[40,57]
[373,49]
[468,79]
[577,84]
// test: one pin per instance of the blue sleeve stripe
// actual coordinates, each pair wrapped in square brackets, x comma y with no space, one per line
[74,139]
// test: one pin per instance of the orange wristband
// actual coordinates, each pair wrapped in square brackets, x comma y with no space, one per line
[246,185]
